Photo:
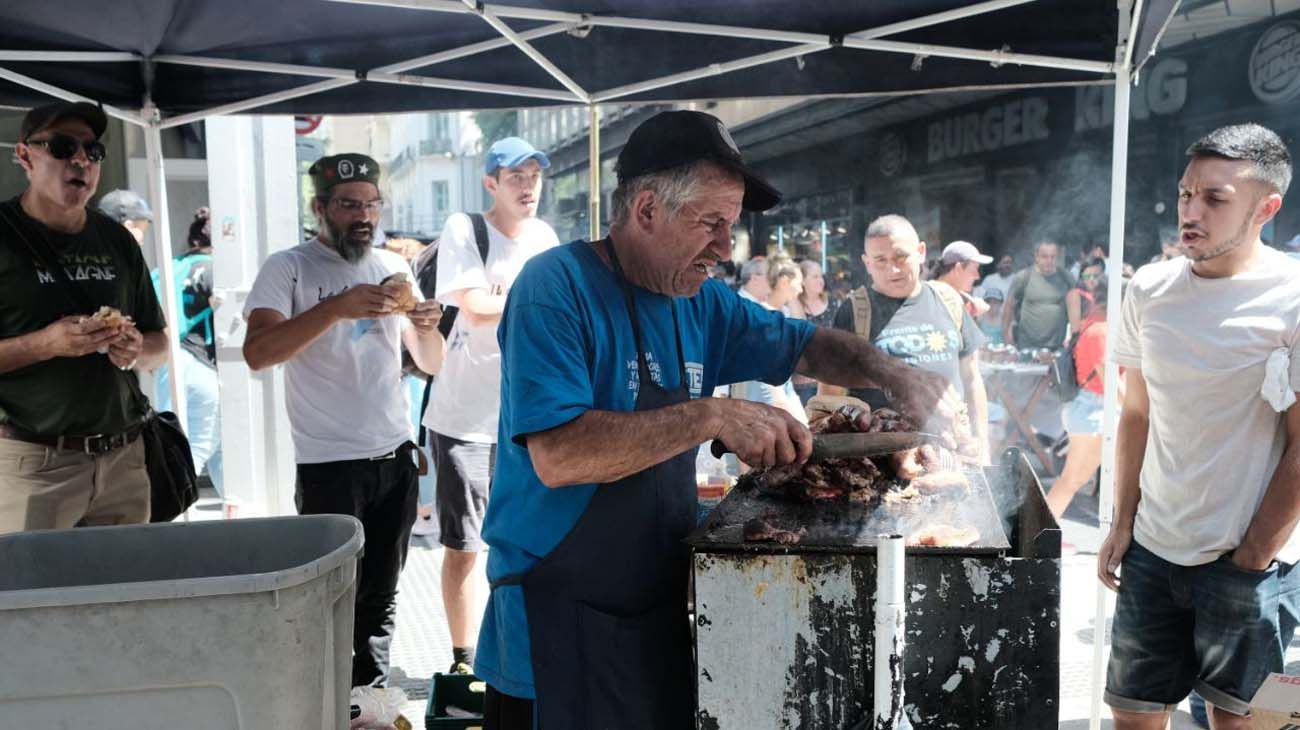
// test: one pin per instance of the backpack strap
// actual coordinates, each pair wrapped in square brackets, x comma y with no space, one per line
[860,300]
[952,301]
[480,235]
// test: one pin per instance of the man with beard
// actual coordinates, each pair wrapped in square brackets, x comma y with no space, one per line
[320,309]
[70,407]
[1207,482]
[462,413]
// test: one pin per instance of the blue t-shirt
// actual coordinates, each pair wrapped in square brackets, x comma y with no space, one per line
[567,347]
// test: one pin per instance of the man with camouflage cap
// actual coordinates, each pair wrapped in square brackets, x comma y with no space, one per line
[324,309]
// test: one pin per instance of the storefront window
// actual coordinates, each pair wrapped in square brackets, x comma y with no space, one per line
[816,228]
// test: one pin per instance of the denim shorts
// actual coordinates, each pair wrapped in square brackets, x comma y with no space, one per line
[1082,416]
[1215,628]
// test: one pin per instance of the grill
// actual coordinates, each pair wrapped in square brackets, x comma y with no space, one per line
[785,634]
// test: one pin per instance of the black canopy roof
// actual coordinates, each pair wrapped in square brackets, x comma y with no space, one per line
[608,49]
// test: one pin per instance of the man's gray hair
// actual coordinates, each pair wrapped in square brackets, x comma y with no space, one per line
[891,226]
[672,188]
[751,269]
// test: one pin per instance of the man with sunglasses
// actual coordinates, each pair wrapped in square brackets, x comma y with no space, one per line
[70,407]
[320,309]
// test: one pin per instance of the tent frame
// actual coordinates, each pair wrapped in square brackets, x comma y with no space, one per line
[1121,72]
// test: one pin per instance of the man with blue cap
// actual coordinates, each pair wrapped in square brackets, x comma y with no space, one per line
[479,256]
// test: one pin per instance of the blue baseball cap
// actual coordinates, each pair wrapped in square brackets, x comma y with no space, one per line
[511,152]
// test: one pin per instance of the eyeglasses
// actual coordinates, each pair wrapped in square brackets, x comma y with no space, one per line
[350,205]
[1090,276]
[64,147]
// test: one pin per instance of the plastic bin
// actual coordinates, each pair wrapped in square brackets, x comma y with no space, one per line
[228,624]
[465,691]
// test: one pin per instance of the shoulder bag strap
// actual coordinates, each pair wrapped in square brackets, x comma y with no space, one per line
[480,235]
[860,300]
[951,299]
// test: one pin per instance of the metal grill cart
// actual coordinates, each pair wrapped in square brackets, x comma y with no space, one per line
[785,635]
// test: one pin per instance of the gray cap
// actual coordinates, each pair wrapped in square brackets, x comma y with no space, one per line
[959,251]
[125,205]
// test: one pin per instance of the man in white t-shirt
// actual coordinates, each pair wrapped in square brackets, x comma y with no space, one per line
[462,414]
[1208,450]
[320,309]
[1000,279]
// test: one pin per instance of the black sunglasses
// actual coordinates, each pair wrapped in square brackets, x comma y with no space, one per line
[63,147]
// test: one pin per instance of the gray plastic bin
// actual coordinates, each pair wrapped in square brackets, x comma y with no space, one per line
[237,624]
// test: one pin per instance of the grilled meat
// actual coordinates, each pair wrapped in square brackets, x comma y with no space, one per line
[762,529]
[944,536]
[940,481]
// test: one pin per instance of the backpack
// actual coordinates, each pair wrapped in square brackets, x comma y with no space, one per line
[426,274]
[1065,375]
[860,300]
[426,277]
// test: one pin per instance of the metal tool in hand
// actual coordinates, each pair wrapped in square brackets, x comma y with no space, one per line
[855,445]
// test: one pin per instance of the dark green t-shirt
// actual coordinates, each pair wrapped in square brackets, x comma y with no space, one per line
[1043,319]
[72,396]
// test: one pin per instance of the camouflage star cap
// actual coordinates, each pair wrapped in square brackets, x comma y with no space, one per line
[345,168]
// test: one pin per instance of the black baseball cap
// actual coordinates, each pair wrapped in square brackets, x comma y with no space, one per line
[674,138]
[42,117]
[345,168]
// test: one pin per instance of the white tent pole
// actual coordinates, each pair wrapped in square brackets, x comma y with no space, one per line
[163,251]
[257,101]
[713,69]
[593,172]
[241,65]
[473,49]
[459,85]
[524,46]
[392,73]
[292,69]
[68,56]
[998,58]
[1129,10]
[66,95]
[936,18]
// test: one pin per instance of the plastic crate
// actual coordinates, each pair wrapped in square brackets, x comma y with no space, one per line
[460,690]
[222,625]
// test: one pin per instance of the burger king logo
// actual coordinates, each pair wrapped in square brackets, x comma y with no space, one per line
[1275,63]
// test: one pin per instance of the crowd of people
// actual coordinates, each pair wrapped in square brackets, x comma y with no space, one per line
[565,388]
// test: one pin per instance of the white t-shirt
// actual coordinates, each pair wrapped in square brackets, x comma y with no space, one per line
[993,281]
[1213,442]
[344,392]
[467,401]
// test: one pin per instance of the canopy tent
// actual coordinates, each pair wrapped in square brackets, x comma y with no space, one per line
[161,63]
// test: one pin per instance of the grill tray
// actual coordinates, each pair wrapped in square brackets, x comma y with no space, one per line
[852,527]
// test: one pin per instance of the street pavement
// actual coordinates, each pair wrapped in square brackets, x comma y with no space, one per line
[422,646]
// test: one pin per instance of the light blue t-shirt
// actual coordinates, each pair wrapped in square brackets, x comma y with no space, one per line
[567,347]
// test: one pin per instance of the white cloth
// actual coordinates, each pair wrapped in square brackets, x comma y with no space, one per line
[993,281]
[344,392]
[1213,442]
[1277,380]
[468,398]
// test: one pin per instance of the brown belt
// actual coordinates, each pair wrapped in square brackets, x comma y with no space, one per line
[94,445]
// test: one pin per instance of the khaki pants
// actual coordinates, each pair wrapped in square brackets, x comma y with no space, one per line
[42,488]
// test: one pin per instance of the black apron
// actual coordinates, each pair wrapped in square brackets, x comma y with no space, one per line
[611,645]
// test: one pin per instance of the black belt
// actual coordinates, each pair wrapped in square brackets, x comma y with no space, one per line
[94,445]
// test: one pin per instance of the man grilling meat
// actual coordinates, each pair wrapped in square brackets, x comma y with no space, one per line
[608,348]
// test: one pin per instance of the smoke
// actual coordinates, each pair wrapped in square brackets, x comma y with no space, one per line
[1071,195]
